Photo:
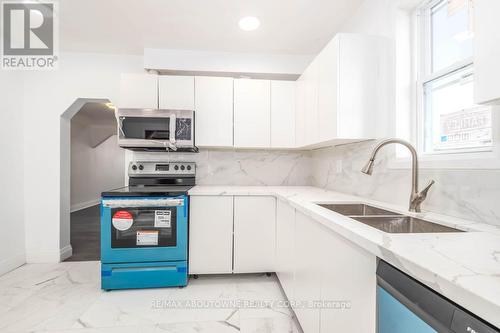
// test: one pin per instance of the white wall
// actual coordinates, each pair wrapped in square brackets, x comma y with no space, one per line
[93,170]
[12,253]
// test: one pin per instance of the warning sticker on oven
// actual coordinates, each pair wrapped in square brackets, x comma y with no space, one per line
[163,218]
[147,237]
[122,220]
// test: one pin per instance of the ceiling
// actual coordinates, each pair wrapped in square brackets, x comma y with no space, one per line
[129,26]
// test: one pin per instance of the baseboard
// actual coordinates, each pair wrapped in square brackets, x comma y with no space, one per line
[36,256]
[12,263]
[66,252]
[82,205]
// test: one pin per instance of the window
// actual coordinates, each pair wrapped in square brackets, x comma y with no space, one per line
[449,121]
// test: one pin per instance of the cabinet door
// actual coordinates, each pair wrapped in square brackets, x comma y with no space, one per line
[348,274]
[311,103]
[366,85]
[300,113]
[282,114]
[138,91]
[308,271]
[254,234]
[176,92]
[214,111]
[487,51]
[252,113]
[327,91]
[285,247]
[210,234]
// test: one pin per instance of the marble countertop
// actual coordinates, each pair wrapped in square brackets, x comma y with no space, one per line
[464,267]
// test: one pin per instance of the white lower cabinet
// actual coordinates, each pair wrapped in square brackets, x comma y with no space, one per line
[285,247]
[211,234]
[308,263]
[348,275]
[254,234]
[330,271]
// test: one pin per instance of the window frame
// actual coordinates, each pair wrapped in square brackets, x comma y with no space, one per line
[421,73]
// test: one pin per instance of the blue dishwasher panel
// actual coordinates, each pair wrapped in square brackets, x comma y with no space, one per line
[394,317]
[143,275]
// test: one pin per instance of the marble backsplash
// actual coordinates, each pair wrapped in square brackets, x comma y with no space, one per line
[242,167]
[468,194]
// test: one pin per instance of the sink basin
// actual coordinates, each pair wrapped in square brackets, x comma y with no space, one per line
[386,220]
[403,224]
[357,209]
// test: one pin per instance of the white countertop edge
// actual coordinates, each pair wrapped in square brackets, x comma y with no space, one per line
[471,280]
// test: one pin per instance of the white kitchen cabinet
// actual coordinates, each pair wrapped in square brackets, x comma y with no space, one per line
[311,76]
[486,52]
[308,268]
[282,114]
[214,111]
[347,91]
[252,113]
[348,274]
[210,234]
[176,92]
[327,90]
[300,113]
[254,234]
[138,90]
[285,247]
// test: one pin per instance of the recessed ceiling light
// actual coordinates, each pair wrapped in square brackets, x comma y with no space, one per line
[249,23]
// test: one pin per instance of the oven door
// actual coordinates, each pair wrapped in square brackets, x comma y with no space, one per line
[144,229]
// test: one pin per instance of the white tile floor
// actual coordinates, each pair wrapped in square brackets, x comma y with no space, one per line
[66,298]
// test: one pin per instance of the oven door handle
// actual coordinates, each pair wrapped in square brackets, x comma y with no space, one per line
[132,203]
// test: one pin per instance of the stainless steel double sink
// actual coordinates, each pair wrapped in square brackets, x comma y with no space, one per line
[386,220]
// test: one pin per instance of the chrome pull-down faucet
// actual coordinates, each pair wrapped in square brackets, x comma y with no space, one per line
[416,197]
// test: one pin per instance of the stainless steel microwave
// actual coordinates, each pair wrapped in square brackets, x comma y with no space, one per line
[156,130]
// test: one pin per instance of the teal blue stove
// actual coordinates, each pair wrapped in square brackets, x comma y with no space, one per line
[144,228]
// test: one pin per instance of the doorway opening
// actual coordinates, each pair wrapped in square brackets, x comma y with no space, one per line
[93,163]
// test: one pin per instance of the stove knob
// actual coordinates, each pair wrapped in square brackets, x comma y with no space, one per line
[176,167]
[141,167]
[134,167]
[182,167]
[189,167]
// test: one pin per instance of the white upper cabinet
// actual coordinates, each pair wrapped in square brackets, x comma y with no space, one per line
[254,234]
[138,90]
[327,90]
[176,92]
[252,113]
[300,112]
[282,114]
[311,121]
[214,111]
[347,91]
[487,52]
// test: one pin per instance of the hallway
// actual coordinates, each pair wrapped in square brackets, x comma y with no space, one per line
[85,235]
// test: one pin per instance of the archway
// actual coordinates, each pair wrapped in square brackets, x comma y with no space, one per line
[86,128]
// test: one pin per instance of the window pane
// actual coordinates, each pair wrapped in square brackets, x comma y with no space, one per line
[452,120]
[451,33]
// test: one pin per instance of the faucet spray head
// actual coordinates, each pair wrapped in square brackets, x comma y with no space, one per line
[368,168]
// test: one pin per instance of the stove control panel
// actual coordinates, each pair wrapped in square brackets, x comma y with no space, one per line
[148,168]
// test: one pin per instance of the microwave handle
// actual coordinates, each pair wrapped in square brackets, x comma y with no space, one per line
[172,129]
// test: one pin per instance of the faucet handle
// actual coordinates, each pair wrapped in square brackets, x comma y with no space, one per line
[423,193]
